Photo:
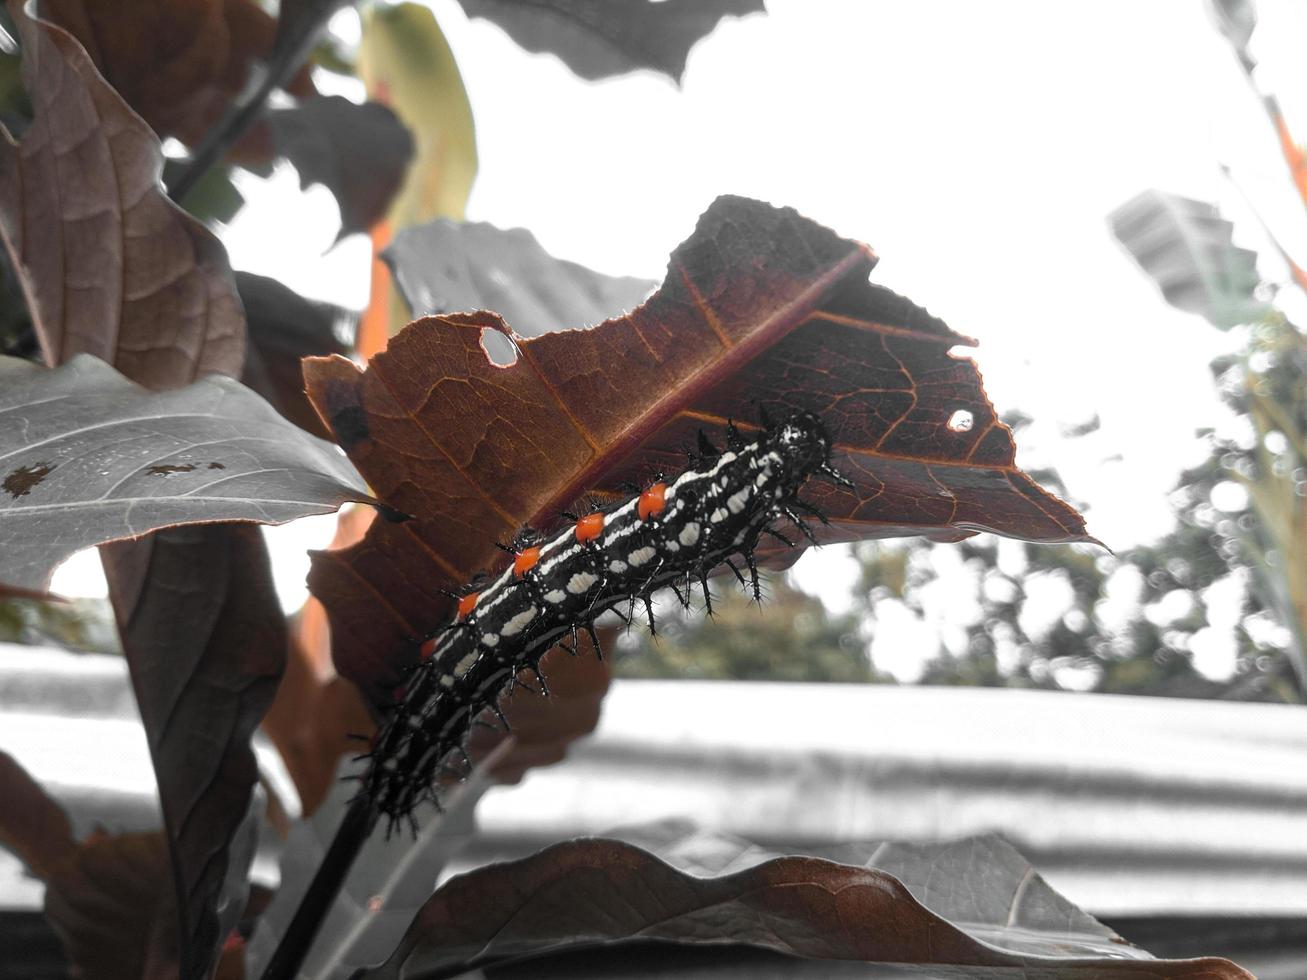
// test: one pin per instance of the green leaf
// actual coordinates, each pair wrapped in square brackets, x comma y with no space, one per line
[1186,247]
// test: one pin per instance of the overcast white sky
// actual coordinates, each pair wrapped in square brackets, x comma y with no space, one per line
[977,147]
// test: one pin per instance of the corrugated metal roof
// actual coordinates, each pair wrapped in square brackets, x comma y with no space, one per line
[1129,806]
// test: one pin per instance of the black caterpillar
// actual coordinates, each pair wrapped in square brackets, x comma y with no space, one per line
[671,533]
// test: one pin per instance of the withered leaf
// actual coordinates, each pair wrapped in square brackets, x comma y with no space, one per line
[358,152]
[178,64]
[109,266]
[598,38]
[596,891]
[761,309]
[88,457]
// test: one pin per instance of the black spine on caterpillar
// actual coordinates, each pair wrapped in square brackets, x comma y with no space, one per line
[670,533]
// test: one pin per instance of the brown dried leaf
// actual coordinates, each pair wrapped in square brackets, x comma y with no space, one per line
[206,643]
[111,268]
[283,328]
[760,307]
[358,152]
[178,64]
[109,903]
[32,825]
[588,892]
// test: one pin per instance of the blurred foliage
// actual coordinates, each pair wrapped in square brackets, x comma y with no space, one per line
[1228,579]
[1014,614]
[790,637]
[83,625]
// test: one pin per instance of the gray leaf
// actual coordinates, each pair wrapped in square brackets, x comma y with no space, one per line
[599,38]
[86,456]
[449,266]
[1186,247]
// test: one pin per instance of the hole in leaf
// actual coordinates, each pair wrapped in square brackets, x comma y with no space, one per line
[960,421]
[501,351]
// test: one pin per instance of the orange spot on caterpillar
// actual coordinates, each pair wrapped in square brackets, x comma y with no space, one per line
[525,561]
[427,648]
[590,527]
[652,501]
[467,603]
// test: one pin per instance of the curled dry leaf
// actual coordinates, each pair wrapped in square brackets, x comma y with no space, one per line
[178,64]
[598,38]
[761,309]
[89,457]
[589,892]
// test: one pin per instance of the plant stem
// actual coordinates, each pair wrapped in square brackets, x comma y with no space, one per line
[295,942]
[290,52]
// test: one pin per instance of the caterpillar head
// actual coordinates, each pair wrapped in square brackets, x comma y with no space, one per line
[803,442]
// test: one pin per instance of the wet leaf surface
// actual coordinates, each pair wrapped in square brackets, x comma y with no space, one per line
[599,38]
[358,152]
[973,905]
[760,308]
[89,457]
[110,905]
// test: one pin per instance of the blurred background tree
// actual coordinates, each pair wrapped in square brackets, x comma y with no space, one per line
[1227,583]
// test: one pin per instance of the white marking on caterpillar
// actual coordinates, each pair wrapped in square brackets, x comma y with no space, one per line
[736,501]
[519,622]
[520,617]
[580,583]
